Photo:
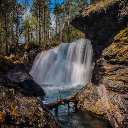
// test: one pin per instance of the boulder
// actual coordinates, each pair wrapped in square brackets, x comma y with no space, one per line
[19,105]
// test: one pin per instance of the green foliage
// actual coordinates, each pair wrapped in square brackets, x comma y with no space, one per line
[123,33]
[31,25]
[8,19]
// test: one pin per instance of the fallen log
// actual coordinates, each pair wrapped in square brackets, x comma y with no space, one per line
[61,102]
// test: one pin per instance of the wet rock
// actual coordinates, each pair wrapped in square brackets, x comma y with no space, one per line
[90,100]
[103,103]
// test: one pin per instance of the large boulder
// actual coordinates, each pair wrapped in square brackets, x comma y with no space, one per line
[19,105]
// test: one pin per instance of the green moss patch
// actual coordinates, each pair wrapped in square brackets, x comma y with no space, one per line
[123,35]
[118,50]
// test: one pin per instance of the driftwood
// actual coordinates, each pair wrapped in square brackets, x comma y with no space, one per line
[61,102]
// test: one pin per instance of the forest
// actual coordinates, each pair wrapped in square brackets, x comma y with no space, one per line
[37,21]
[64,63]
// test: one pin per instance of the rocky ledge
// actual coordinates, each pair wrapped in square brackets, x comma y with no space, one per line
[19,105]
[101,22]
[106,26]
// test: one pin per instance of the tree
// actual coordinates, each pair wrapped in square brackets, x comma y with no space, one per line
[36,11]
[17,24]
[89,2]
[56,12]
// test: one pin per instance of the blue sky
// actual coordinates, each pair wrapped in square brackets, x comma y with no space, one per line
[52,1]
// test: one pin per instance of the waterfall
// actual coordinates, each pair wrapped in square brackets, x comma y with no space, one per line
[69,64]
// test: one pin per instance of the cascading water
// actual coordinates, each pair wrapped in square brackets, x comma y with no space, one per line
[61,72]
[67,65]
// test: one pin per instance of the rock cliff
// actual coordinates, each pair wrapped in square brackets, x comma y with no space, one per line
[106,26]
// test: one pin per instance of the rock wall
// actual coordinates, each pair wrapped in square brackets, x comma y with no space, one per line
[101,22]
[107,28]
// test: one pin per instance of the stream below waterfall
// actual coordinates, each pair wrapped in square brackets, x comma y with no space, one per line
[68,118]
[62,71]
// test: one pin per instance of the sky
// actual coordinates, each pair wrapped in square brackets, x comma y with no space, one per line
[52,1]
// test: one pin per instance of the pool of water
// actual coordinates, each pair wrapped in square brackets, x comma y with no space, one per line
[67,117]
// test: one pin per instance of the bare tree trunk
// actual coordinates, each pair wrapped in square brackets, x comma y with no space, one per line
[25,39]
[56,29]
[31,37]
[12,26]
[39,28]
[17,24]
[46,34]
[36,35]
[6,43]
[0,33]
[89,2]
[42,29]
[60,32]
[68,28]
[12,32]
[28,35]
[44,18]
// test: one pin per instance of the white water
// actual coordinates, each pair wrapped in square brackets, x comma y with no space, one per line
[65,66]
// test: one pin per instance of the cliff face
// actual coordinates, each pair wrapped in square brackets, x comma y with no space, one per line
[105,25]
[102,21]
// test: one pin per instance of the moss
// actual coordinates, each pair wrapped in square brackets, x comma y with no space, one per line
[118,50]
[123,33]
[102,4]
[18,62]
[5,64]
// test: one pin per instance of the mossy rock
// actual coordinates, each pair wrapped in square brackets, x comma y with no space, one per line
[98,6]
[5,64]
[30,46]
[123,33]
